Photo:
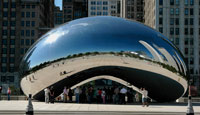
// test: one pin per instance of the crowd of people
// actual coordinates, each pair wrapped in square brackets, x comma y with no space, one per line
[115,94]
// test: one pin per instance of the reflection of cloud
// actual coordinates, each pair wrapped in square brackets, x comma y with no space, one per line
[134,53]
[80,24]
[53,37]
[142,56]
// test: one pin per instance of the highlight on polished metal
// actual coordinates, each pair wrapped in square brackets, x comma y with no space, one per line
[111,47]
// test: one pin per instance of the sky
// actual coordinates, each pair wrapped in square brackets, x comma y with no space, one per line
[58,3]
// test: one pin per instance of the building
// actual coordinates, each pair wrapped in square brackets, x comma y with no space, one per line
[67,10]
[9,42]
[80,9]
[48,11]
[104,8]
[133,9]
[179,21]
[130,9]
[21,22]
[74,9]
[58,16]
[105,47]
[33,18]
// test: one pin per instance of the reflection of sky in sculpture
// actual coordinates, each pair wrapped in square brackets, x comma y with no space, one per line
[101,34]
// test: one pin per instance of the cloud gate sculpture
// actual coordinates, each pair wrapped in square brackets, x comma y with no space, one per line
[104,46]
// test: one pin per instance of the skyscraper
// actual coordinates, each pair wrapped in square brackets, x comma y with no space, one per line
[104,8]
[178,20]
[22,21]
[67,10]
[58,16]
[130,9]
[74,9]
[9,41]
[133,9]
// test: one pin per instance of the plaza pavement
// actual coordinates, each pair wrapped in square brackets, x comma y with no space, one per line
[19,107]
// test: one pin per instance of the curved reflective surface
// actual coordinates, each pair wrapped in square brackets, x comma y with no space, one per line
[72,53]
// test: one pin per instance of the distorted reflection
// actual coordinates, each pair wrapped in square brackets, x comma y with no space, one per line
[53,37]
[105,45]
[80,24]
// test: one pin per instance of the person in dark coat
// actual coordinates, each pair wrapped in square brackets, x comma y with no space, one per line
[70,94]
[51,94]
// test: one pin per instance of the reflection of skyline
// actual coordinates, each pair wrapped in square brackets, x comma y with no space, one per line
[80,62]
[134,55]
[100,34]
[144,53]
[183,66]
[168,57]
[162,55]
[175,61]
[25,65]
[41,54]
[155,54]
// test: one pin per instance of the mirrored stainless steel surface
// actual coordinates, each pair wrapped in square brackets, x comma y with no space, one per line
[90,43]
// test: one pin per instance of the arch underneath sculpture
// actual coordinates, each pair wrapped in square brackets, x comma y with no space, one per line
[108,77]
[156,84]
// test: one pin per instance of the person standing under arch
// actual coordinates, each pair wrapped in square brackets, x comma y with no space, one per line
[144,97]
[46,94]
[123,92]
[51,94]
[65,94]
[77,94]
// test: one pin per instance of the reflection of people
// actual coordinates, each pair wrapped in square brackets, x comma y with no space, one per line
[46,94]
[0,91]
[51,94]
[8,93]
[33,77]
[144,97]
[29,79]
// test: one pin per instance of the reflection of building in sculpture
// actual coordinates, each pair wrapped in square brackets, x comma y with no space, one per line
[169,58]
[178,20]
[161,54]
[123,53]
[155,54]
